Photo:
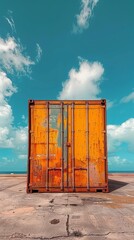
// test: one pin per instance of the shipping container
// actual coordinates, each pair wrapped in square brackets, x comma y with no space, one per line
[67,146]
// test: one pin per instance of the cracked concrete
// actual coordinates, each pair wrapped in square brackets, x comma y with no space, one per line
[67,216]
[67,226]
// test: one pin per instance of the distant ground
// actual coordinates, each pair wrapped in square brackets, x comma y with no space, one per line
[24,172]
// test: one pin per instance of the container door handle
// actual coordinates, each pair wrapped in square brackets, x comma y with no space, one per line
[68,144]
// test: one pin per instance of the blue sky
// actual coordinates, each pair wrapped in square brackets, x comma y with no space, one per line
[50,48]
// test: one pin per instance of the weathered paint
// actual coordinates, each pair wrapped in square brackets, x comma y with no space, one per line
[67,146]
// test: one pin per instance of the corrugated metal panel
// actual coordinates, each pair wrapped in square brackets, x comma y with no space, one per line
[67,146]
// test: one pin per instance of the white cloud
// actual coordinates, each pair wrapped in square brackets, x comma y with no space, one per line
[23,117]
[20,138]
[119,134]
[10,137]
[12,56]
[4,161]
[82,19]
[15,138]
[128,98]
[119,163]
[6,87]
[10,21]
[22,156]
[117,160]
[109,104]
[13,59]
[7,45]
[39,53]
[83,83]
[6,115]
[6,141]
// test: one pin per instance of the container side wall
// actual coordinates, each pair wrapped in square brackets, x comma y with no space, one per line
[38,149]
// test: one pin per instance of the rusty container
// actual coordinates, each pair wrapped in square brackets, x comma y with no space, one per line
[67,146]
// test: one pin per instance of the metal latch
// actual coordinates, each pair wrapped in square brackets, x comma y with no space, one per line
[68,144]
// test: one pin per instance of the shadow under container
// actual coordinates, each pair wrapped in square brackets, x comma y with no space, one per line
[67,146]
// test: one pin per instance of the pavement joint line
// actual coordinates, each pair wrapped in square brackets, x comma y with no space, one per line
[22,236]
[67,226]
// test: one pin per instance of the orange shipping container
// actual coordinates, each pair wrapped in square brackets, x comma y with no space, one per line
[67,146]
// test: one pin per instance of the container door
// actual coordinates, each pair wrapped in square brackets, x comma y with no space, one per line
[86,147]
[46,155]
[78,150]
[38,144]
[97,147]
[55,151]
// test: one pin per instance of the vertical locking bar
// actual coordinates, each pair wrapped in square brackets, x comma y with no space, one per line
[62,141]
[73,158]
[105,142]
[29,145]
[47,163]
[67,149]
[87,142]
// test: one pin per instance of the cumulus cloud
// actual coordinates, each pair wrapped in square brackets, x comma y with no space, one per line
[39,53]
[6,115]
[15,138]
[82,19]
[20,138]
[13,60]
[128,98]
[6,141]
[12,57]
[119,134]
[83,83]
[10,136]
[6,87]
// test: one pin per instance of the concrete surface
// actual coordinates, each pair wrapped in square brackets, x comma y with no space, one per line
[67,216]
